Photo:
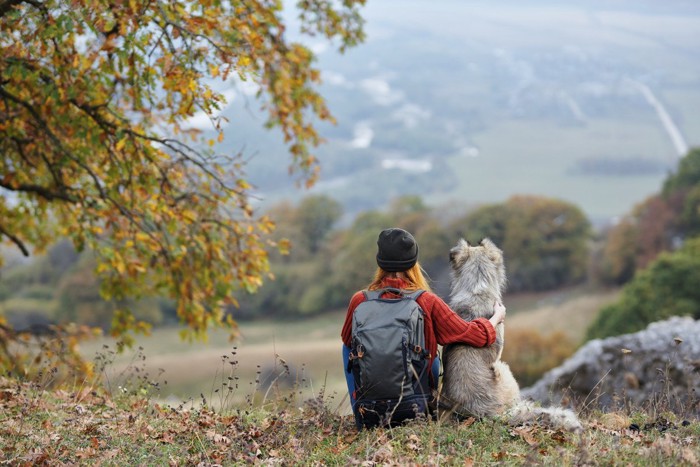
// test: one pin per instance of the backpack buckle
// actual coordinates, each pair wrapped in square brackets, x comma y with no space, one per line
[359,353]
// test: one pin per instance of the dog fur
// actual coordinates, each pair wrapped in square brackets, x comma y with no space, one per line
[476,382]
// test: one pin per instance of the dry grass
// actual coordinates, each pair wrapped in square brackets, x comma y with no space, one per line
[567,312]
[311,348]
[311,351]
[302,423]
[86,426]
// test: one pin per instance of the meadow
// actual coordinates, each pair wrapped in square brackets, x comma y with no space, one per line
[130,421]
[303,356]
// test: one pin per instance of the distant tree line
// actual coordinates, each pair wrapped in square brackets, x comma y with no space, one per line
[547,243]
[544,240]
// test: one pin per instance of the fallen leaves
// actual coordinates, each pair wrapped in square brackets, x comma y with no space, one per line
[48,427]
[414,443]
[218,438]
[526,435]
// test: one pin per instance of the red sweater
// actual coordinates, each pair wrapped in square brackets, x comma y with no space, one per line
[442,325]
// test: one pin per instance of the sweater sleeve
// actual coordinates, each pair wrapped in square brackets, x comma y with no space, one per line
[450,328]
[346,333]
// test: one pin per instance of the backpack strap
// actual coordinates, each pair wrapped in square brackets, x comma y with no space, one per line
[372,294]
[415,294]
[377,294]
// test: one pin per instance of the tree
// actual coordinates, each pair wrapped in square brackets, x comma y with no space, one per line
[682,189]
[658,224]
[95,99]
[688,173]
[638,239]
[619,256]
[667,287]
[316,216]
[544,240]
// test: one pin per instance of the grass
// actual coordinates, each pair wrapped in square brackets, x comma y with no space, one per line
[89,426]
[310,348]
[232,416]
[569,311]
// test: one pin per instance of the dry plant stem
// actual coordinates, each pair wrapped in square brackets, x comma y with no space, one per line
[586,404]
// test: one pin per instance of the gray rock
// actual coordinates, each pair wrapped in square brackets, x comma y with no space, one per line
[658,367]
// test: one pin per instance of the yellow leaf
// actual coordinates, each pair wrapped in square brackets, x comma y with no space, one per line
[189,215]
[119,266]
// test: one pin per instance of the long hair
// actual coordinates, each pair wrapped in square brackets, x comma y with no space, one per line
[414,276]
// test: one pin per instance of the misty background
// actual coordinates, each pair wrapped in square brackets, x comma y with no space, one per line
[446,107]
[471,102]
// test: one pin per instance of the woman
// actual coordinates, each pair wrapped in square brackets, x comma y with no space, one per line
[398,267]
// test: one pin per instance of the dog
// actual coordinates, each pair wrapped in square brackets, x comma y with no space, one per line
[476,382]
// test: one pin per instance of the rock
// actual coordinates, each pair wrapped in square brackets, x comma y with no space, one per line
[659,365]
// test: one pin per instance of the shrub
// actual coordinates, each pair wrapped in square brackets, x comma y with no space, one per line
[544,240]
[530,354]
[668,287]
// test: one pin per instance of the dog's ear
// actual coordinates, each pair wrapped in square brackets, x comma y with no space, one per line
[487,242]
[454,252]
[453,255]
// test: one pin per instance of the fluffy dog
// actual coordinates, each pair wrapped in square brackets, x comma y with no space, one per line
[476,382]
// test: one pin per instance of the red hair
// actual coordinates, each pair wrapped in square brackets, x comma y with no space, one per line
[414,276]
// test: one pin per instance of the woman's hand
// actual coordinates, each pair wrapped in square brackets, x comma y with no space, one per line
[499,314]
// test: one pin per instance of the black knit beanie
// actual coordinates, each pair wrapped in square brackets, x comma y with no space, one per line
[397,250]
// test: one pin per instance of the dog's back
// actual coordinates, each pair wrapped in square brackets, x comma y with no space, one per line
[475,381]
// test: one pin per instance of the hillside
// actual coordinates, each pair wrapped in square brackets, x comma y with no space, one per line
[90,427]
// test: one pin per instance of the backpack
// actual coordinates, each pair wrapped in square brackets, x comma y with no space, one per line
[388,359]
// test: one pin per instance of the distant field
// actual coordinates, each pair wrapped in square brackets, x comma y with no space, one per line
[569,311]
[311,348]
[518,155]
[684,104]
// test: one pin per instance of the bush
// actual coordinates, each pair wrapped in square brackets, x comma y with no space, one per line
[668,287]
[530,354]
[544,240]
[23,313]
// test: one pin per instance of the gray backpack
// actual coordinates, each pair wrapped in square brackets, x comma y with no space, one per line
[388,359]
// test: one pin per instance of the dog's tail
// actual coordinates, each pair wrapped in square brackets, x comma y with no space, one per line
[525,411]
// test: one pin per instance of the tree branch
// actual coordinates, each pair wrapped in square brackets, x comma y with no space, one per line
[15,240]
[7,5]
[39,190]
